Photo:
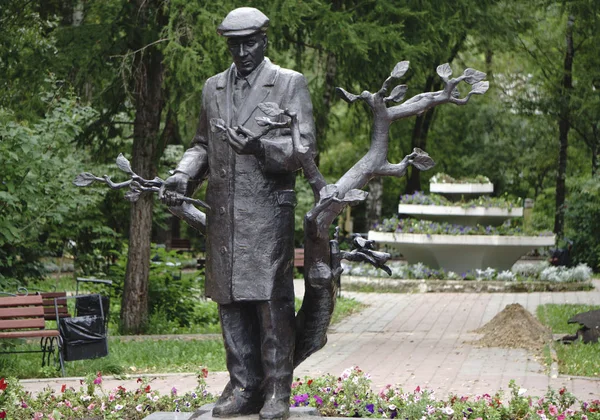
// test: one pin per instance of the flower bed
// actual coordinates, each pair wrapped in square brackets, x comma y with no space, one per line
[396,225]
[93,402]
[529,272]
[423,199]
[349,395]
[442,178]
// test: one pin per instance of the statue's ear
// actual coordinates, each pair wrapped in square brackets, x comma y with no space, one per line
[265,42]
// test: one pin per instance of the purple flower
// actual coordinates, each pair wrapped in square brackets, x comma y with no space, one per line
[370,408]
[300,399]
[173,391]
[318,400]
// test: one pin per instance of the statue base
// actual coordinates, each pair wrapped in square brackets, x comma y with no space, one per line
[205,413]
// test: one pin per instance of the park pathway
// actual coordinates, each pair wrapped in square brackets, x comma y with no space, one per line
[418,340]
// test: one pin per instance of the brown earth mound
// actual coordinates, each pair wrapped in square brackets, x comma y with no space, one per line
[514,327]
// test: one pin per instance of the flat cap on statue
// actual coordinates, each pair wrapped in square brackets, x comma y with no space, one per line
[243,21]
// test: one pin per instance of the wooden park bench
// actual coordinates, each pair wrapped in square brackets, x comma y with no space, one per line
[25,317]
[180,245]
[299,257]
[50,311]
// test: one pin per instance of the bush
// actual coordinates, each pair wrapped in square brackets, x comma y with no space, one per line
[566,275]
[582,220]
[174,300]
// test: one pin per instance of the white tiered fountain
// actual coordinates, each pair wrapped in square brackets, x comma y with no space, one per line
[461,253]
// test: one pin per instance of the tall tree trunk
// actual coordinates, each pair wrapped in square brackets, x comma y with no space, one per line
[419,137]
[322,118]
[423,122]
[148,97]
[563,131]
[374,201]
[594,148]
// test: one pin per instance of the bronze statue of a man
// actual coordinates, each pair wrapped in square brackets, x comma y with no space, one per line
[250,224]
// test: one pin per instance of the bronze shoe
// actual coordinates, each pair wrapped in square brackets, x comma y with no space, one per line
[275,409]
[234,403]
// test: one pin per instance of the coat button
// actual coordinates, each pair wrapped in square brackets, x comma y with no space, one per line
[221,210]
[223,250]
[223,173]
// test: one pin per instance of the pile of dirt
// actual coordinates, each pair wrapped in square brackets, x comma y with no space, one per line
[514,327]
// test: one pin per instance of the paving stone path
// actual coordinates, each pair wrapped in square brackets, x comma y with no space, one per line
[419,339]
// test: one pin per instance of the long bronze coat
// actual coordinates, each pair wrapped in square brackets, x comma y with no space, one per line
[250,226]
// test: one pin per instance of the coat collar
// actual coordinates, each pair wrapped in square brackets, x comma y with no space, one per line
[259,91]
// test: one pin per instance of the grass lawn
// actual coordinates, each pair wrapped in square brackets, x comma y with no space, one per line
[125,357]
[140,356]
[576,359]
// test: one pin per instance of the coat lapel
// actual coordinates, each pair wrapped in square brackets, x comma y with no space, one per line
[224,95]
[259,92]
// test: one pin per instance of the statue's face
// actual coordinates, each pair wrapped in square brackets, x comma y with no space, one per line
[247,52]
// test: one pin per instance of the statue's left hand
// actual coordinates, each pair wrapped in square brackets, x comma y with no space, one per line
[244,141]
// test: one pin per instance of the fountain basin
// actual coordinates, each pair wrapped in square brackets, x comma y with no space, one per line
[461,253]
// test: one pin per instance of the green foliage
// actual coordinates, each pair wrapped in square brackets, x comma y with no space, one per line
[41,211]
[173,299]
[26,48]
[583,221]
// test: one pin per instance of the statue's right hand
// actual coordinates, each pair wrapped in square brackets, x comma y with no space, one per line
[173,189]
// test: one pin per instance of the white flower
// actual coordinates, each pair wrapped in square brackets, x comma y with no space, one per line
[447,410]
[85,398]
[392,407]
[155,398]
[346,373]
[118,407]
[521,392]
[139,407]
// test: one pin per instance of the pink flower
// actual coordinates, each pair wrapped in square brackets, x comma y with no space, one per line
[111,397]
[68,404]
[553,410]
[91,406]
[561,417]
[38,416]
[98,379]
